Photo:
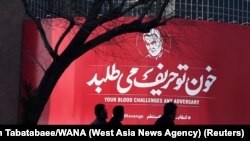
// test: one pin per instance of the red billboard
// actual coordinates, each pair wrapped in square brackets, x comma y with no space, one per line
[201,66]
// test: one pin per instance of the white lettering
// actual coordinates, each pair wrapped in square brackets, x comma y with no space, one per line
[156,79]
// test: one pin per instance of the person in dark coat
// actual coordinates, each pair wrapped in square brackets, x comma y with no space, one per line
[101,115]
[168,117]
[118,115]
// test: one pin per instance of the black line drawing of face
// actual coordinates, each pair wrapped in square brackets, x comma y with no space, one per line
[153,41]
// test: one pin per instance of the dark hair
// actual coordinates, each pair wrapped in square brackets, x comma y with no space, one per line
[170,108]
[99,108]
[118,111]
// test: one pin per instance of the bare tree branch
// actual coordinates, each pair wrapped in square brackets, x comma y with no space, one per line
[80,43]
[41,31]
[67,30]
[118,11]
[135,26]
[86,29]
[161,11]
[146,10]
[39,64]
[91,24]
[95,9]
[51,10]
[133,6]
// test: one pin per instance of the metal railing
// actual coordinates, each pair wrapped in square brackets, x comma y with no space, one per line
[228,11]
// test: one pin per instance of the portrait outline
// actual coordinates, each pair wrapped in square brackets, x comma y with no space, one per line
[154,43]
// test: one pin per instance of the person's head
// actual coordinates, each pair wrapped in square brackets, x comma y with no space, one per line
[153,42]
[100,111]
[118,112]
[170,110]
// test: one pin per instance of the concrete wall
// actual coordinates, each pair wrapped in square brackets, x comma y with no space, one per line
[11,18]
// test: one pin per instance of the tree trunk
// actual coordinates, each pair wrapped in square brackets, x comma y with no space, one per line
[45,88]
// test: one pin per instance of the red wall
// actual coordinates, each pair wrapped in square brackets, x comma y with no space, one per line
[126,73]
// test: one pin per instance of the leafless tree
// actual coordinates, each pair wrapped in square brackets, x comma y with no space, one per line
[145,19]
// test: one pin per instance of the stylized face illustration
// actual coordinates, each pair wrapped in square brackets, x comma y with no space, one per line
[153,42]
